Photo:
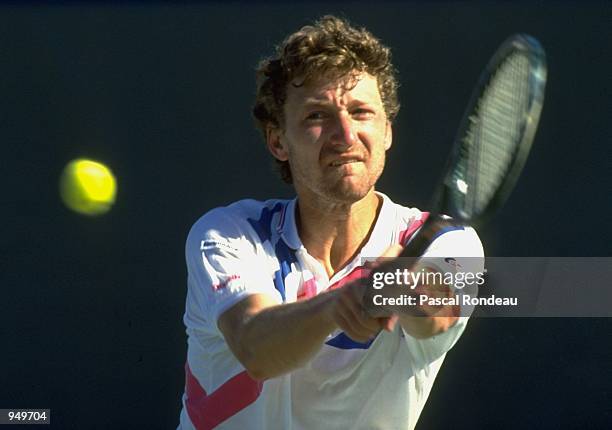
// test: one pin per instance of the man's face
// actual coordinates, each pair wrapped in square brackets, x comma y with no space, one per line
[335,136]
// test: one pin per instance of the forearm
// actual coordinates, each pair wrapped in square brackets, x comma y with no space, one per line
[274,340]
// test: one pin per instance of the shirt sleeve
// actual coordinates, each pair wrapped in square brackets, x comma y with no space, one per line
[224,265]
[463,248]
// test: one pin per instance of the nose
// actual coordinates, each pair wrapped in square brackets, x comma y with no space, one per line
[344,134]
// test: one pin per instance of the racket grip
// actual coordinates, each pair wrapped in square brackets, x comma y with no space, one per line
[425,235]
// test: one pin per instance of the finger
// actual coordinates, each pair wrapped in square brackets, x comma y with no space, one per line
[352,300]
[349,304]
[357,324]
[348,328]
[389,323]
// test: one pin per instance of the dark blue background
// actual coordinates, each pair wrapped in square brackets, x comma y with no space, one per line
[90,321]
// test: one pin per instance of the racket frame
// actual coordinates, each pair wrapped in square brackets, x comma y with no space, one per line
[537,80]
[436,223]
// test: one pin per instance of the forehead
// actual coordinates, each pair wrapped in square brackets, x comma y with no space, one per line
[361,88]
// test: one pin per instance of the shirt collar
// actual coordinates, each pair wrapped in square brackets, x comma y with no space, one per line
[378,241]
[287,226]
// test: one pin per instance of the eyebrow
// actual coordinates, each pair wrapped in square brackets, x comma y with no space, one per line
[317,101]
[314,102]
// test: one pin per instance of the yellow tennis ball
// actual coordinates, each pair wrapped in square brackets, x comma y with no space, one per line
[88,187]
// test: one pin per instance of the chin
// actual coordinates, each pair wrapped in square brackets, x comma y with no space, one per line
[348,192]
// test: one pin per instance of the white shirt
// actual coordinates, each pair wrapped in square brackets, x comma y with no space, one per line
[253,247]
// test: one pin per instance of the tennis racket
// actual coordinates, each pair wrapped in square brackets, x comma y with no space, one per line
[491,145]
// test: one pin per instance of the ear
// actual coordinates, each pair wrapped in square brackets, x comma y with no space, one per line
[274,141]
[388,136]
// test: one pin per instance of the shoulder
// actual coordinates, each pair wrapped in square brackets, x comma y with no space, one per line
[400,212]
[238,220]
[457,240]
[405,221]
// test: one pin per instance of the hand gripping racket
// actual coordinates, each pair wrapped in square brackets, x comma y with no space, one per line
[492,143]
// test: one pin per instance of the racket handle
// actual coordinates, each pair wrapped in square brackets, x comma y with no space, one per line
[425,235]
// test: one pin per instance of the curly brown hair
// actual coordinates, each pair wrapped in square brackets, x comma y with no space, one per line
[330,48]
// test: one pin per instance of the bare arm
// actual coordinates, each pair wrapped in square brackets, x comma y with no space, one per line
[270,339]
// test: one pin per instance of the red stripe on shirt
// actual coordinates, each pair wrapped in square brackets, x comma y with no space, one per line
[357,273]
[405,235]
[206,411]
[308,290]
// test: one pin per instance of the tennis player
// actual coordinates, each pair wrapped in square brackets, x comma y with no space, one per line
[277,333]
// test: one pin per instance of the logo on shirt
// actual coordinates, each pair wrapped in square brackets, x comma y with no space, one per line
[452,262]
[223,284]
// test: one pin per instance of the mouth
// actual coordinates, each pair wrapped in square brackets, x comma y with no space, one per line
[345,161]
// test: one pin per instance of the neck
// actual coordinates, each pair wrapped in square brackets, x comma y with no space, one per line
[334,232]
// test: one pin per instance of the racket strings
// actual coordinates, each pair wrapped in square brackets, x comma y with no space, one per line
[494,134]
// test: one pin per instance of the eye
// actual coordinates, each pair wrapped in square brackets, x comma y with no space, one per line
[363,113]
[316,116]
